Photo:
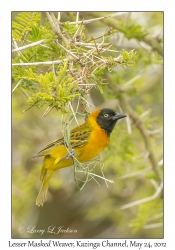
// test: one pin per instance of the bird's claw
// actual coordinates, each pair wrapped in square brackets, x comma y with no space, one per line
[70,154]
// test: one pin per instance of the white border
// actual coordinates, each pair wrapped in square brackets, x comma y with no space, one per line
[5,98]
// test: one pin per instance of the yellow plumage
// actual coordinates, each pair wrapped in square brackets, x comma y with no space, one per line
[87,141]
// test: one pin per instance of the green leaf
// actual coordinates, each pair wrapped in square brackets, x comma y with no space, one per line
[146,210]
[25,21]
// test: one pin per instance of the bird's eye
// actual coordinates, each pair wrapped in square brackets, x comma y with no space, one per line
[106,115]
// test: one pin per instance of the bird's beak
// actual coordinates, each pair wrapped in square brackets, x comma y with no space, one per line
[118,116]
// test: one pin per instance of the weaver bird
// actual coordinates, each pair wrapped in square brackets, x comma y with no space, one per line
[86,140]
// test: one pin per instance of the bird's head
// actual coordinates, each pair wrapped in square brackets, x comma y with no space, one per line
[107,118]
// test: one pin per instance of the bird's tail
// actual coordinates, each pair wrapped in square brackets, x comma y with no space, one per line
[42,196]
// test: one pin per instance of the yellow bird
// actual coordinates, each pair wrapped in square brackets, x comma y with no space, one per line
[87,141]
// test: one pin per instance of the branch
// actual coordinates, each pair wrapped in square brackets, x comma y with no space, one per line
[39,63]
[134,174]
[68,51]
[59,16]
[157,216]
[77,17]
[70,105]
[147,39]
[137,172]
[132,80]
[18,83]
[55,26]
[97,19]
[16,47]
[156,131]
[154,44]
[150,198]
[29,45]
[143,132]
[155,225]
[90,173]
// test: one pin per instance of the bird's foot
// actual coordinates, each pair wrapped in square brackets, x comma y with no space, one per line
[70,154]
[67,156]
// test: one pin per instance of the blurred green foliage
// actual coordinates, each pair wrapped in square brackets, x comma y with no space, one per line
[95,211]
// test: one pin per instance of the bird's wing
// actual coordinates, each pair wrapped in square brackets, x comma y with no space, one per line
[49,147]
[78,138]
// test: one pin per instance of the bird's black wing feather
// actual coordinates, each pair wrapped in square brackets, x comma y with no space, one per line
[78,138]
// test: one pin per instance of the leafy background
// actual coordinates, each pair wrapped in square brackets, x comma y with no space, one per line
[95,211]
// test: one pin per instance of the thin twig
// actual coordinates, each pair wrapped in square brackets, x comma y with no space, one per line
[102,50]
[18,52]
[147,112]
[44,46]
[101,167]
[29,45]
[55,25]
[78,32]
[47,111]
[39,63]
[88,103]
[90,44]
[24,93]
[102,42]
[128,123]
[112,22]
[87,55]
[154,183]
[87,177]
[86,84]
[157,216]
[134,174]
[160,163]
[69,52]
[59,16]
[77,17]
[150,198]
[70,105]
[80,171]
[18,83]
[140,171]
[156,131]
[131,81]
[50,20]
[155,225]
[97,19]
